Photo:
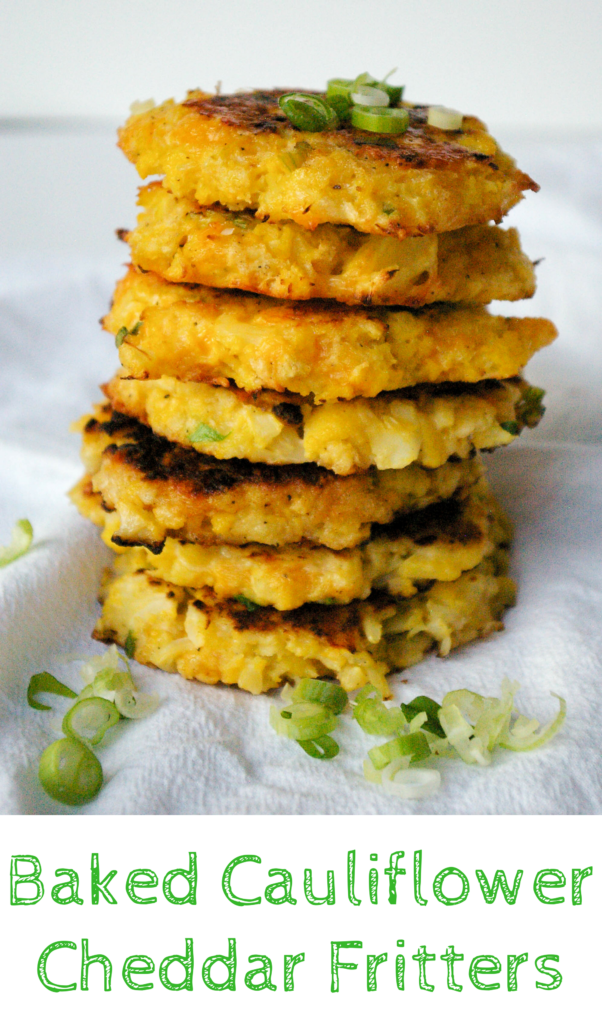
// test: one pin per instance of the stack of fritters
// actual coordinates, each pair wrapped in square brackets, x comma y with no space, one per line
[288,461]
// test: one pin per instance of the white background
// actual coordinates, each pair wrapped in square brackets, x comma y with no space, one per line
[532,63]
[159,930]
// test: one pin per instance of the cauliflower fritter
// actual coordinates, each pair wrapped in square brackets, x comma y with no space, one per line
[325,349]
[189,632]
[152,489]
[184,242]
[243,152]
[427,424]
[439,543]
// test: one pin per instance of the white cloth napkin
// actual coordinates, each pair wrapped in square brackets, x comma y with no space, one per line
[211,749]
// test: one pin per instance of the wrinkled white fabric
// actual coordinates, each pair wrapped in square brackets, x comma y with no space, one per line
[211,749]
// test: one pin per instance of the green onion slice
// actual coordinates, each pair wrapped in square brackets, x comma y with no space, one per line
[43,682]
[20,542]
[70,772]
[410,783]
[431,708]
[522,735]
[369,96]
[384,120]
[132,704]
[321,691]
[376,720]
[443,117]
[322,747]
[414,744]
[89,719]
[511,427]
[308,113]
[203,433]
[303,721]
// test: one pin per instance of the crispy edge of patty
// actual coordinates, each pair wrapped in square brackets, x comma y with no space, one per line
[400,558]
[316,347]
[427,424]
[212,641]
[154,488]
[241,151]
[183,242]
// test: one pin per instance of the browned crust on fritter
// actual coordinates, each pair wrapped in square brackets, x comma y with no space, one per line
[258,113]
[159,459]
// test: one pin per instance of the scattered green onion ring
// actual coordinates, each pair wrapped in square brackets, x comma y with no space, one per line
[20,542]
[43,682]
[130,703]
[303,721]
[308,113]
[321,691]
[70,772]
[431,708]
[89,719]
[384,120]
[322,747]
[414,744]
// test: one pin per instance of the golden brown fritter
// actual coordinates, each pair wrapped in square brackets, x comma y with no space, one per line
[153,489]
[427,424]
[189,632]
[402,558]
[321,348]
[184,242]
[241,151]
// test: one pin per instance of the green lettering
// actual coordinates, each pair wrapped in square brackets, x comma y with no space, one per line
[238,901]
[554,975]
[513,964]
[549,878]
[290,962]
[99,958]
[451,958]
[450,901]
[372,962]
[101,887]
[141,878]
[578,876]
[499,882]
[484,965]
[43,967]
[336,965]
[32,877]
[187,962]
[189,876]
[230,963]
[130,967]
[285,883]
[72,887]
[260,977]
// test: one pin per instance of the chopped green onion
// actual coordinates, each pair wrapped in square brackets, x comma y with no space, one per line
[443,117]
[384,120]
[132,704]
[368,96]
[341,106]
[431,708]
[203,433]
[308,113]
[322,747]
[375,719]
[321,691]
[89,719]
[43,682]
[522,735]
[511,427]
[339,87]
[242,222]
[251,606]
[20,542]
[414,744]
[123,332]
[70,772]
[410,783]
[303,721]
[130,645]
[529,408]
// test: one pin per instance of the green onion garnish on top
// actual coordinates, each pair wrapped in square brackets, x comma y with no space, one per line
[308,113]
[20,542]
[383,120]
